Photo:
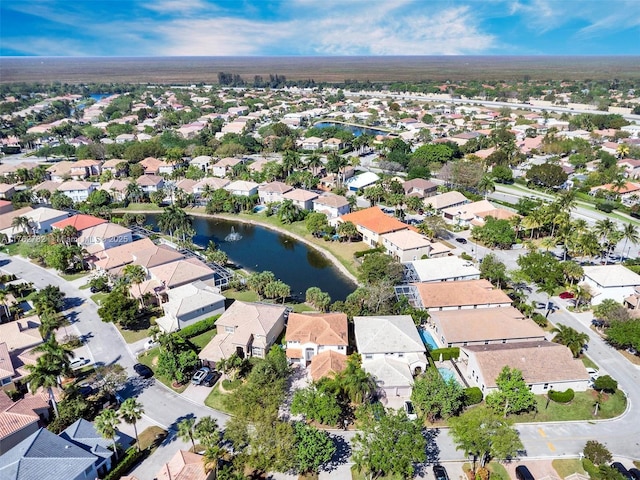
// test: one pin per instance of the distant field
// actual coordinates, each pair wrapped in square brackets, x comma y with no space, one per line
[187,70]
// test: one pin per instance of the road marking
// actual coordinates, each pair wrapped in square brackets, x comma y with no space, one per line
[541,432]
[551,447]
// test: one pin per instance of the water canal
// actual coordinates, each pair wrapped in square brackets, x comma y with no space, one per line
[256,248]
[355,129]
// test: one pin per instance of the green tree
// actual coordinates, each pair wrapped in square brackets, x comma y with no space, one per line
[630,234]
[131,411]
[117,307]
[316,223]
[570,338]
[186,430]
[277,289]
[483,435]
[316,405]
[494,270]
[356,384]
[48,298]
[348,230]
[206,432]
[495,233]
[513,394]
[624,334]
[135,274]
[314,448]
[605,383]
[610,311]
[387,443]
[547,175]
[106,424]
[436,397]
[597,453]
[257,281]
[177,366]
[377,267]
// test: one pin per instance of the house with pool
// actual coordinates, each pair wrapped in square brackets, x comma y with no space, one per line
[439,269]
[544,365]
[392,352]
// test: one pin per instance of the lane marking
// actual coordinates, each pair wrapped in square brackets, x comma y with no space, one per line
[541,432]
[551,447]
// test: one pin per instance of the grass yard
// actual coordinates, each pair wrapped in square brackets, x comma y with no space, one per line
[200,341]
[588,363]
[497,470]
[301,307]
[151,437]
[70,277]
[11,249]
[150,359]
[86,286]
[216,400]
[581,408]
[132,336]
[356,475]
[243,296]
[567,466]
[99,297]
[146,207]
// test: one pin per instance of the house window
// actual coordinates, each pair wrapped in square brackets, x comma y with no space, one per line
[5,381]
[486,342]
[340,347]
[504,340]
[400,355]
[229,329]
[546,386]
[368,357]
[464,344]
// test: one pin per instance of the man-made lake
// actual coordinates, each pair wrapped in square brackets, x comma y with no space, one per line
[257,249]
[99,96]
[357,131]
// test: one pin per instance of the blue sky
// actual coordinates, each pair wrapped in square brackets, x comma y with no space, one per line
[319,27]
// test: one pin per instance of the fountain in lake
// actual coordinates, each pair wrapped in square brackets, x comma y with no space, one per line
[233,236]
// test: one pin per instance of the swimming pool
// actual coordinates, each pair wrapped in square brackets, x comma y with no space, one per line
[258,208]
[427,339]
[447,374]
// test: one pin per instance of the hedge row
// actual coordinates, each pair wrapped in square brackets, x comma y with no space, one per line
[362,253]
[472,396]
[198,327]
[561,397]
[447,353]
[130,458]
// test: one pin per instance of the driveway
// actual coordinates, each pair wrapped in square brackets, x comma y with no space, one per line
[196,393]
[538,468]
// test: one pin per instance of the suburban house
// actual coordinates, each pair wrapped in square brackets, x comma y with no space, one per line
[150,183]
[5,207]
[327,364]
[419,187]
[301,198]
[331,205]
[151,165]
[7,190]
[440,269]
[225,166]
[114,259]
[85,168]
[615,282]
[475,213]
[309,334]
[202,162]
[84,435]
[6,223]
[77,190]
[544,365]
[273,192]
[392,352]
[242,188]
[361,181]
[209,183]
[407,245]
[173,274]
[333,144]
[185,466]
[312,143]
[372,223]
[49,186]
[47,456]
[104,236]
[7,372]
[247,329]
[446,200]
[116,188]
[460,295]
[22,418]
[60,171]
[483,326]
[155,255]
[112,166]
[188,304]
[41,219]
[80,222]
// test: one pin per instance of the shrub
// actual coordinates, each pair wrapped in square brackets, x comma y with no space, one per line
[561,397]
[198,327]
[362,253]
[130,458]
[590,468]
[606,383]
[466,256]
[446,353]
[596,453]
[472,396]
[540,319]
[606,207]
[71,342]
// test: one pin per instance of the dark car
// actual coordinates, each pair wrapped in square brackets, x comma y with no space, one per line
[85,390]
[461,240]
[523,473]
[635,473]
[211,379]
[622,469]
[566,295]
[143,370]
[440,472]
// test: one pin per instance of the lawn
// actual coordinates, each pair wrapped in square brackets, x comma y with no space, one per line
[302,307]
[70,277]
[497,470]
[147,207]
[216,400]
[356,475]
[149,358]
[151,436]
[243,296]
[581,408]
[11,249]
[200,341]
[132,336]
[567,466]
[99,297]
[588,363]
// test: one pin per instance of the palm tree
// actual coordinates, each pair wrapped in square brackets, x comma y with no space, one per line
[131,411]
[44,375]
[49,322]
[212,457]
[355,382]
[622,150]
[135,274]
[106,423]
[572,271]
[21,223]
[134,192]
[630,233]
[290,161]
[186,430]
[486,185]
[206,431]
[570,338]
[336,164]
[548,288]
[55,354]
[314,162]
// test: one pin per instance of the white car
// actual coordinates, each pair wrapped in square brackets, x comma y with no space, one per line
[78,363]
[149,344]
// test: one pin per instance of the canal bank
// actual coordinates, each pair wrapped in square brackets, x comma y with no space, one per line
[280,259]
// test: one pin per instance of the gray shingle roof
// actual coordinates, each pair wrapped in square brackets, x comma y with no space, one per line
[45,456]
[83,434]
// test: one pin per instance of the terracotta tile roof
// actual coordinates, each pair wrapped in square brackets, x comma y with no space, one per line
[156,255]
[327,364]
[6,219]
[151,164]
[481,324]
[375,220]
[21,334]
[407,239]
[149,180]
[14,416]
[74,185]
[460,293]
[331,200]
[300,195]
[50,185]
[122,255]
[294,353]
[275,187]
[179,272]
[6,366]
[318,328]
[539,362]
[184,466]
[80,222]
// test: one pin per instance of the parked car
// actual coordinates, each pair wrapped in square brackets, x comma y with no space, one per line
[523,473]
[440,472]
[635,473]
[149,344]
[85,390]
[143,370]
[622,469]
[200,374]
[78,363]
[461,240]
[566,295]
[211,378]
[410,411]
